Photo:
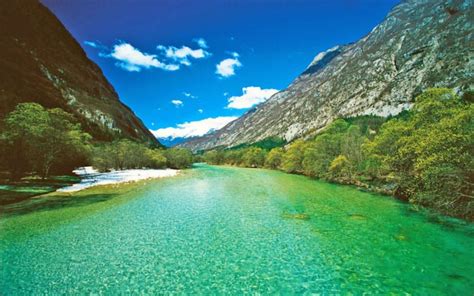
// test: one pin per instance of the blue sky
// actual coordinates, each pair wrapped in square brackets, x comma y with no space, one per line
[185,67]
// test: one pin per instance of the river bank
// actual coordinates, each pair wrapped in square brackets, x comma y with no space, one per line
[91,177]
[28,187]
[12,192]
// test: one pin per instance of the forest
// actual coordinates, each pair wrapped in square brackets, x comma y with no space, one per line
[43,142]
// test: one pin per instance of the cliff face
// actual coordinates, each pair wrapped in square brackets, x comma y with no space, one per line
[41,62]
[420,44]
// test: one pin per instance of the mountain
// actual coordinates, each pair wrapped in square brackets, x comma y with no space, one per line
[420,44]
[41,62]
[171,142]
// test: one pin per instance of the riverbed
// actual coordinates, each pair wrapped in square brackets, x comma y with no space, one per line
[224,230]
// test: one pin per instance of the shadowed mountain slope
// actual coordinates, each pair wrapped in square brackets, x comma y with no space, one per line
[41,62]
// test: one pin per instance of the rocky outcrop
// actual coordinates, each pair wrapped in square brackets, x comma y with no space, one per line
[420,44]
[41,62]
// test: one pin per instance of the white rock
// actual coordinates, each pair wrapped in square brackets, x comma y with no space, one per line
[91,177]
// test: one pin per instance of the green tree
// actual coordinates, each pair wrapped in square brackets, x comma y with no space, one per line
[293,158]
[319,154]
[253,157]
[23,129]
[156,158]
[126,154]
[234,156]
[340,169]
[430,152]
[351,147]
[274,158]
[38,139]
[179,158]
[214,157]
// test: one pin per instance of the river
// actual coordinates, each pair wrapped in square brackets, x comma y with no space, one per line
[224,230]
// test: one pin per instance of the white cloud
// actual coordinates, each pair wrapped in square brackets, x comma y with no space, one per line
[251,95]
[189,95]
[133,60]
[200,110]
[177,103]
[226,68]
[193,128]
[201,42]
[183,54]
[91,44]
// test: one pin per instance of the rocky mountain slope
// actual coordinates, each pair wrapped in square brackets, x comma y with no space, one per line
[420,44]
[41,62]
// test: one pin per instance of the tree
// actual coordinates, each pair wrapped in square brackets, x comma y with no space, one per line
[293,158]
[156,158]
[430,152]
[179,158]
[351,147]
[233,156]
[253,157]
[340,168]
[37,139]
[214,157]
[126,154]
[338,126]
[319,154]
[23,130]
[274,158]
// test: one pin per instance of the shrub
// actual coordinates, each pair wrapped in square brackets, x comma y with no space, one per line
[179,158]
[274,158]
[42,140]
[253,157]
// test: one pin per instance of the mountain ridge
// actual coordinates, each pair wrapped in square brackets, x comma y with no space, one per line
[42,62]
[420,44]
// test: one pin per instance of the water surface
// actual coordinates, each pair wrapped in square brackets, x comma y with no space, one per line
[228,230]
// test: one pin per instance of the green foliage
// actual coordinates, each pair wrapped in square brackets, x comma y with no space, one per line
[247,155]
[126,154]
[292,161]
[233,157]
[253,157]
[320,152]
[267,144]
[425,153]
[274,158]
[368,125]
[339,138]
[430,153]
[42,140]
[157,159]
[214,157]
[340,168]
[179,158]
[38,140]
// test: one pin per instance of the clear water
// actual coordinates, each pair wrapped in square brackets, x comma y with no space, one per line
[220,230]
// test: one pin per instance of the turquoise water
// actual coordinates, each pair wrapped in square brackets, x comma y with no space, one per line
[222,230]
